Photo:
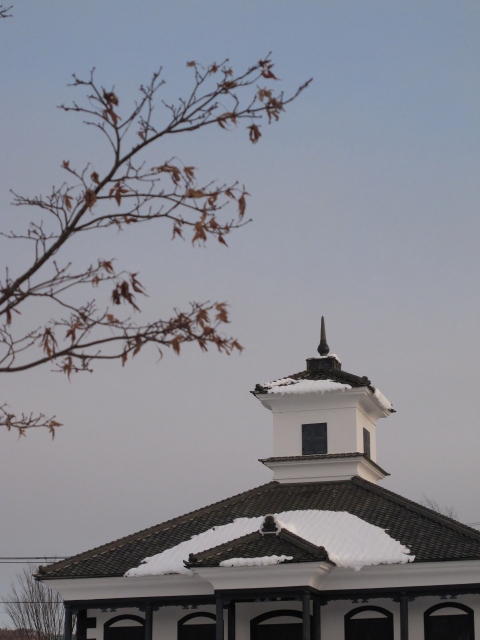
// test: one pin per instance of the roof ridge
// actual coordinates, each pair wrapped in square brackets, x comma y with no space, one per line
[225,546]
[143,533]
[303,543]
[287,536]
[284,533]
[460,527]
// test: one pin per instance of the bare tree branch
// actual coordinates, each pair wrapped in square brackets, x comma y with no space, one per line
[84,328]
[36,611]
[4,11]
[432,504]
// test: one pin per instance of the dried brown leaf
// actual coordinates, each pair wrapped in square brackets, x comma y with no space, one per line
[110,97]
[255,133]
[138,345]
[195,193]
[189,172]
[90,198]
[136,285]
[107,265]
[177,231]
[222,315]
[67,201]
[175,344]
[242,204]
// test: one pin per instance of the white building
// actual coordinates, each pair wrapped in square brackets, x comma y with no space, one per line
[322,551]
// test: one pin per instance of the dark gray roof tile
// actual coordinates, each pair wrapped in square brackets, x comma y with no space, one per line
[429,535]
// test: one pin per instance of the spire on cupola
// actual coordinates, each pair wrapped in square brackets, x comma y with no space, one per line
[325,361]
[323,347]
[324,421]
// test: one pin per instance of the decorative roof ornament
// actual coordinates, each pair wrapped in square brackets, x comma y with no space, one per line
[270,526]
[323,348]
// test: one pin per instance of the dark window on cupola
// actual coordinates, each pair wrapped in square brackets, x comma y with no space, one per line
[366,442]
[314,438]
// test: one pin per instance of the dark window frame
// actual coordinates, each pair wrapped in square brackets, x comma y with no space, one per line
[108,628]
[322,437]
[450,605]
[279,613]
[367,443]
[348,620]
[124,616]
[190,616]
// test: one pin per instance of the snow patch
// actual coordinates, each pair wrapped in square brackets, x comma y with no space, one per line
[349,541]
[330,355]
[172,560]
[265,561]
[278,383]
[288,386]
[382,400]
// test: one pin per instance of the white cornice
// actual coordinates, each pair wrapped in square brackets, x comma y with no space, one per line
[308,469]
[319,575]
[415,574]
[356,398]
[282,575]
[138,587]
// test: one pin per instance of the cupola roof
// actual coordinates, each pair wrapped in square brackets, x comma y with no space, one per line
[325,367]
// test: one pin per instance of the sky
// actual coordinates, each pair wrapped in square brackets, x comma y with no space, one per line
[365,203]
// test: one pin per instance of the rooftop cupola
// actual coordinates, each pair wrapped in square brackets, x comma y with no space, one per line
[324,422]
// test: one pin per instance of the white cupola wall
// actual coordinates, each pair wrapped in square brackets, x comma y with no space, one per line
[324,422]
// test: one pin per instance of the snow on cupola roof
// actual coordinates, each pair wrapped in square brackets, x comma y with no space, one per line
[323,374]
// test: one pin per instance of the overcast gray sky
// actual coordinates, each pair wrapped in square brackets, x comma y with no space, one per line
[365,199]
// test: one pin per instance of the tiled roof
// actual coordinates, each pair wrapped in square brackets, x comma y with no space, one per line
[256,545]
[429,535]
[322,369]
[323,456]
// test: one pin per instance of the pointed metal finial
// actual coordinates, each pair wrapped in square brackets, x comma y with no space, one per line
[323,347]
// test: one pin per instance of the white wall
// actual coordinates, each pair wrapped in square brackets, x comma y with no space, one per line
[344,430]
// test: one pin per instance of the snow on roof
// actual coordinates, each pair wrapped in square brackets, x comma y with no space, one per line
[349,541]
[265,561]
[382,400]
[287,386]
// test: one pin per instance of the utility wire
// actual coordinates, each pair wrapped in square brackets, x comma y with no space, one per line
[27,559]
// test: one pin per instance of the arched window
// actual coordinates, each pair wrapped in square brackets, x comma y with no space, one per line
[450,621]
[124,627]
[369,623]
[197,626]
[284,624]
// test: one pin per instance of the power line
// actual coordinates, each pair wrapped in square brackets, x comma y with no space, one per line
[31,602]
[26,559]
